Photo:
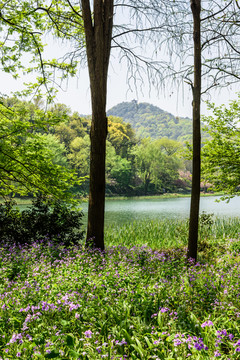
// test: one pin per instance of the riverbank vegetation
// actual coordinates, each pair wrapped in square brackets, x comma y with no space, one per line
[139,299]
[172,233]
[134,166]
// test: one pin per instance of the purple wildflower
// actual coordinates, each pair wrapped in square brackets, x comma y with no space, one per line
[207,323]
[88,334]
[164,309]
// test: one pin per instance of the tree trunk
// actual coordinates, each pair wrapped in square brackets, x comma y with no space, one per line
[196,164]
[98,33]
[95,230]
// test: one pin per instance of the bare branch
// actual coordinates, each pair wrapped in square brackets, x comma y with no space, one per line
[217,13]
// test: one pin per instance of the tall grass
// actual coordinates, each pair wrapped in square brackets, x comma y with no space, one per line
[155,234]
[170,233]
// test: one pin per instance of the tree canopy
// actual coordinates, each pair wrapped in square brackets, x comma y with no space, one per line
[31,161]
[151,121]
[221,153]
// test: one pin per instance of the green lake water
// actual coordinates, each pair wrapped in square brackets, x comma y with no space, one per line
[128,210]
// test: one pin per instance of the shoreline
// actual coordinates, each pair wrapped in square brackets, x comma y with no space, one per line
[28,201]
[163,196]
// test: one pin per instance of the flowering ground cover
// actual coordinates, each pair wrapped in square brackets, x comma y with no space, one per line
[127,303]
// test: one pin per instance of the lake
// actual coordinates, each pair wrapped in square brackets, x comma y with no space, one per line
[128,210]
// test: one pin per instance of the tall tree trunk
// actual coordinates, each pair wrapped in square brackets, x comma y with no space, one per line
[195,195]
[98,33]
[95,230]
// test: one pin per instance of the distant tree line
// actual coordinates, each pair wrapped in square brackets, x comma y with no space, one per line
[48,152]
[134,165]
[151,121]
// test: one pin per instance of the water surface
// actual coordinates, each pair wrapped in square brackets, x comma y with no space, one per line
[128,210]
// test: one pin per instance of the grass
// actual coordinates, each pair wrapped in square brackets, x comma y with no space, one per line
[168,233]
[28,201]
[164,196]
[153,233]
[139,300]
[20,201]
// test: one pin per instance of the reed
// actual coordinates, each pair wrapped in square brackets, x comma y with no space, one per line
[165,234]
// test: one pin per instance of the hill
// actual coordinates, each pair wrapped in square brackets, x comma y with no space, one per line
[151,121]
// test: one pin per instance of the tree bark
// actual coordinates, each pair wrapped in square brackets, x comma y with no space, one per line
[98,33]
[196,163]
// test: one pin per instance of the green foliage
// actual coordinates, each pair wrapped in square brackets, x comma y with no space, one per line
[50,153]
[173,233]
[23,34]
[23,26]
[45,220]
[32,161]
[121,135]
[122,172]
[150,121]
[158,162]
[74,126]
[79,154]
[58,150]
[206,220]
[130,302]
[119,172]
[157,234]
[74,133]
[221,153]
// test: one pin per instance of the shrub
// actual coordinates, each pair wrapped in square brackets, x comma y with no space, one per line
[46,219]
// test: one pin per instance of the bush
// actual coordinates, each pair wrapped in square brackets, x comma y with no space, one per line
[45,220]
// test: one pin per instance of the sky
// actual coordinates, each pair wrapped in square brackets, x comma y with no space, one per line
[76,92]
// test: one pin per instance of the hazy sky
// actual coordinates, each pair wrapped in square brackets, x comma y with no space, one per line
[76,93]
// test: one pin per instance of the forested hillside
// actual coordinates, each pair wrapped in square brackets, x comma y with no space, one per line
[133,166]
[151,121]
